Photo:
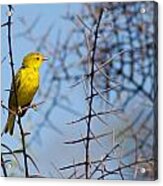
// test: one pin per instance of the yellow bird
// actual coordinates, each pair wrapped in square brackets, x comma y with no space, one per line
[27,83]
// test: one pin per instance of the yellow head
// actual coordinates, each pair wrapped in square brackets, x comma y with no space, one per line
[34,60]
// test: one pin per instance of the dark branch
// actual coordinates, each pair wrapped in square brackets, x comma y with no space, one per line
[15,90]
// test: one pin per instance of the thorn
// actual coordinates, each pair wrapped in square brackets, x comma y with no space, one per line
[27,133]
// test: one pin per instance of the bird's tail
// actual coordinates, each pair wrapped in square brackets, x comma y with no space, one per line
[10,124]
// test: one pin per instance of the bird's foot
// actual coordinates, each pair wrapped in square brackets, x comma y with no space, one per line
[20,110]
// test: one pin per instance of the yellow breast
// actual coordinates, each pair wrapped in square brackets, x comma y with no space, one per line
[28,87]
[27,83]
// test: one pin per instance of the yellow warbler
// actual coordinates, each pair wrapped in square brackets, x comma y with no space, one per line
[27,83]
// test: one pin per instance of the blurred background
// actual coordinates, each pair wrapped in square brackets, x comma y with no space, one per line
[124,114]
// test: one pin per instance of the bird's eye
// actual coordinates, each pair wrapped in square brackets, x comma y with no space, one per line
[38,58]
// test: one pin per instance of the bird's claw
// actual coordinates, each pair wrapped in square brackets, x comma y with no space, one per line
[20,110]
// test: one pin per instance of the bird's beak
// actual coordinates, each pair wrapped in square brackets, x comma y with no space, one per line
[45,58]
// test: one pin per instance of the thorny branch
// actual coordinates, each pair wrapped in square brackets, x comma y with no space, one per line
[99,162]
[124,167]
[15,89]
[92,60]
[15,92]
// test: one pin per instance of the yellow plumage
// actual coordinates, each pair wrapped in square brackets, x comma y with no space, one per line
[27,83]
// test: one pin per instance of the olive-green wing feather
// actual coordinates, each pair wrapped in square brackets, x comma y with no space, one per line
[12,103]
[12,99]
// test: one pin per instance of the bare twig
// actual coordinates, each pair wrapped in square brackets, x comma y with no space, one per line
[83,139]
[95,115]
[91,162]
